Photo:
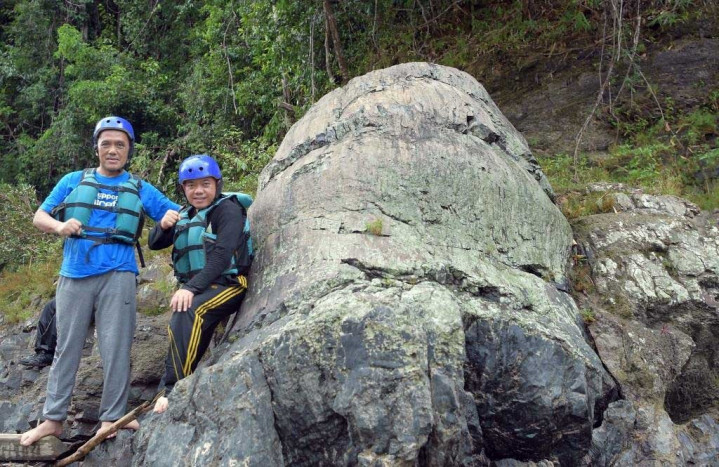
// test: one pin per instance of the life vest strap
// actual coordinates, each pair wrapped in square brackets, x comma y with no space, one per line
[139,254]
[182,251]
[114,209]
[188,225]
[80,204]
[117,188]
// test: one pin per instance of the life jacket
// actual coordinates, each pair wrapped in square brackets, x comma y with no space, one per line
[81,201]
[193,234]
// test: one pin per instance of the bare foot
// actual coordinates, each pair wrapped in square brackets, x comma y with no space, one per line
[161,405]
[46,428]
[133,425]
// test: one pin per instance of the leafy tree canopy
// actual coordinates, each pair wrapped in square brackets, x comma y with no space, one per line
[228,77]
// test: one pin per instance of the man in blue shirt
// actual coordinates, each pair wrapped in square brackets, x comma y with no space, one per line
[99,212]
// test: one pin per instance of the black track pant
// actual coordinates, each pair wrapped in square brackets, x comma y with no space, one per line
[191,331]
[46,336]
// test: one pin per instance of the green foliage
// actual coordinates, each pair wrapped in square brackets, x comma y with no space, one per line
[22,243]
[669,13]
[637,165]
[374,227]
[588,315]
[559,168]
[28,257]
[706,198]
[241,161]
[17,298]
[678,155]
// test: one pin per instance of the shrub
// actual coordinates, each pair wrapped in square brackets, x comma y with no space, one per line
[22,291]
[588,315]
[22,243]
[374,227]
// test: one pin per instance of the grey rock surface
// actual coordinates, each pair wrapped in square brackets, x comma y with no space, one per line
[196,430]
[654,268]
[551,113]
[116,452]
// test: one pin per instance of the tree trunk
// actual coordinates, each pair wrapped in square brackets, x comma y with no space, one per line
[328,56]
[332,26]
[285,104]
[119,29]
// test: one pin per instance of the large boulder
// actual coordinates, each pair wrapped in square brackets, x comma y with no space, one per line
[408,301]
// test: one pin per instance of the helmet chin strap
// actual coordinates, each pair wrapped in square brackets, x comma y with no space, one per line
[220,184]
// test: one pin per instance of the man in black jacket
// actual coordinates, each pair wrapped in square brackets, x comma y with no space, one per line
[210,259]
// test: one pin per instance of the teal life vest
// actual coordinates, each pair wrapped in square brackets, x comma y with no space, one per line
[81,201]
[192,234]
[130,220]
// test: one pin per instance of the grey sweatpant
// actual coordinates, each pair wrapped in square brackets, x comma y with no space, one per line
[112,295]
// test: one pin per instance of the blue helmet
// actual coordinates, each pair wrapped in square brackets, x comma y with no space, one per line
[199,166]
[114,123]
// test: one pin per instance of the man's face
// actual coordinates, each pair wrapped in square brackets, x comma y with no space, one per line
[201,192]
[113,148]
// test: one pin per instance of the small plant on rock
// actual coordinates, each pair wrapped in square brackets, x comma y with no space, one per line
[374,227]
[588,315]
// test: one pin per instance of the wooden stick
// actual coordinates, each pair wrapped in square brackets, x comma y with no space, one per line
[101,435]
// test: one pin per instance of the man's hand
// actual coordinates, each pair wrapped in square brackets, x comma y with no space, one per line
[169,219]
[69,227]
[181,300]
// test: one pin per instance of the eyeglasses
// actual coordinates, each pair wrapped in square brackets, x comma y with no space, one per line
[108,144]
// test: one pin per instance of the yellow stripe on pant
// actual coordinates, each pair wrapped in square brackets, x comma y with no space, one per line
[196,333]
[175,354]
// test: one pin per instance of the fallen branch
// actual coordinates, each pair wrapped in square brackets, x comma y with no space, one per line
[101,435]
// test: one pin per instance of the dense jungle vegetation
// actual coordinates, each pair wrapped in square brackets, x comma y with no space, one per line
[229,77]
